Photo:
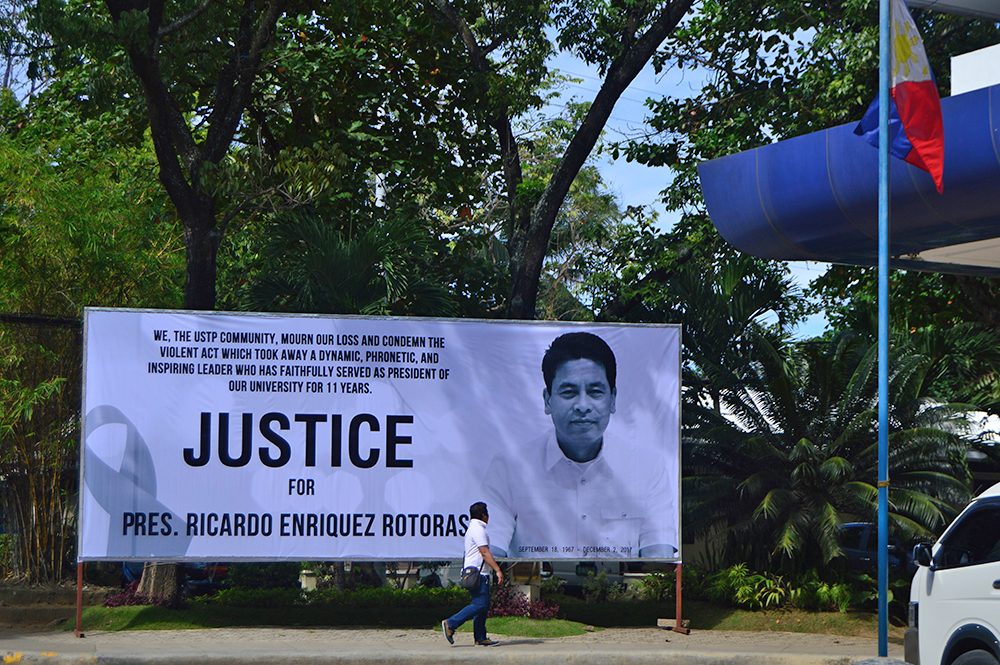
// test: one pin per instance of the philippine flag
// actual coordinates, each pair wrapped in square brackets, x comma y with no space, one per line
[915,126]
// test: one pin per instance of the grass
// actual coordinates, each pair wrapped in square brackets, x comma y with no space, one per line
[522,627]
[850,624]
[202,615]
[709,616]
[575,616]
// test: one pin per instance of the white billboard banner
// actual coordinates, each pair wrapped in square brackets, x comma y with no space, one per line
[226,437]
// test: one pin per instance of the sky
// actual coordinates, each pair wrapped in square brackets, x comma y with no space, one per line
[638,185]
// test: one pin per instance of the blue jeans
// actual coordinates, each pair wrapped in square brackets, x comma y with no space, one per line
[476,610]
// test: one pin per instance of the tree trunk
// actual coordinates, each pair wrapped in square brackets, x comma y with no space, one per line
[201,240]
[180,156]
[368,574]
[339,576]
[161,580]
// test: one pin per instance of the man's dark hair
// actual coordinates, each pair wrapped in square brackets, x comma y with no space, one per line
[578,346]
[477,510]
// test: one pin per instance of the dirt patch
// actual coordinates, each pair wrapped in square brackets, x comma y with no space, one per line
[50,594]
[44,606]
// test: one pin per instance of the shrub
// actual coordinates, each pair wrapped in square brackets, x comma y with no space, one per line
[738,586]
[432,581]
[361,574]
[130,596]
[508,601]
[283,575]
[380,597]
[6,551]
[694,577]
[821,596]
[600,589]
[415,597]
[542,610]
[657,585]
[840,591]
[388,597]
[552,586]
[260,598]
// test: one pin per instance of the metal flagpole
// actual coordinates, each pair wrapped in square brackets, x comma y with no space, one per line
[883,327]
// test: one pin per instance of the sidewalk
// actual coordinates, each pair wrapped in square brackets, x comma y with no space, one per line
[319,646]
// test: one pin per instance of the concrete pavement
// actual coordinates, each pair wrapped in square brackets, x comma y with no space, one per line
[361,646]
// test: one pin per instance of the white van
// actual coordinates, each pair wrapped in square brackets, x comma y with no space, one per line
[955,594]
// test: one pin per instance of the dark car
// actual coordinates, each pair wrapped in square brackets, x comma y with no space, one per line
[202,578]
[859,542]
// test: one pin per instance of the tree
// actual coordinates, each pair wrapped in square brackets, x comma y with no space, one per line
[723,313]
[771,71]
[619,39]
[784,69]
[308,265]
[81,223]
[367,134]
[793,453]
[187,146]
[929,312]
[246,127]
[238,97]
[19,45]
[591,232]
[270,106]
[780,69]
[38,397]
[983,296]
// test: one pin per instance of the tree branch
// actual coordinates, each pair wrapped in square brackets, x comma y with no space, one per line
[236,79]
[479,61]
[500,122]
[184,20]
[618,308]
[530,253]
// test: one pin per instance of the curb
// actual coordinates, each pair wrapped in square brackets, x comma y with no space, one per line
[491,655]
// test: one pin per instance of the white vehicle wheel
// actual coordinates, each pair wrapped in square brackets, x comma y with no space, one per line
[977,657]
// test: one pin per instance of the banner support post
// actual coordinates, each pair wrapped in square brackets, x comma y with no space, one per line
[678,582]
[79,600]
[679,624]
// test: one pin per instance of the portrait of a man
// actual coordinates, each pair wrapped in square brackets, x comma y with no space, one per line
[577,491]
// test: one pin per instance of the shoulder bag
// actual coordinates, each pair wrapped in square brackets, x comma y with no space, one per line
[470,577]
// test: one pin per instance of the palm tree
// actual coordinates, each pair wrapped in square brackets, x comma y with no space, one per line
[312,264]
[723,312]
[966,362]
[792,453]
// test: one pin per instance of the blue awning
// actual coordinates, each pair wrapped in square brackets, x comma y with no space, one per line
[815,197]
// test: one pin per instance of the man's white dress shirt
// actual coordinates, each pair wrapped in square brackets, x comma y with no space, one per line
[545,506]
[475,537]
